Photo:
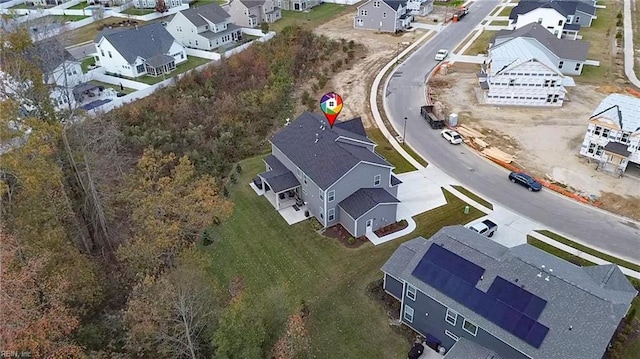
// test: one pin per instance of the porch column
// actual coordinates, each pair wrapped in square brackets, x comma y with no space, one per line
[277,200]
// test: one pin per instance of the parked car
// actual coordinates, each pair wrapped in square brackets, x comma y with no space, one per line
[442,54]
[486,228]
[524,179]
[452,136]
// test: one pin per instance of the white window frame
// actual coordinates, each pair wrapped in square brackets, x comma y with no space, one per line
[451,314]
[331,214]
[451,335]
[384,15]
[363,12]
[376,4]
[321,212]
[331,196]
[377,180]
[321,194]
[411,292]
[475,332]
[304,178]
[304,191]
[408,310]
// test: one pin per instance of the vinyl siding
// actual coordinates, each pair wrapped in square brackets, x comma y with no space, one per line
[550,20]
[345,219]
[382,215]
[361,176]
[434,323]
[584,19]
[393,286]
[374,19]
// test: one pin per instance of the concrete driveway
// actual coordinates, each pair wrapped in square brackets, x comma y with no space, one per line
[420,191]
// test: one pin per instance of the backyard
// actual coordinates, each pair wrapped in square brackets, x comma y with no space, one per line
[125,90]
[257,244]
[317,16]
[88,33]
[134,11]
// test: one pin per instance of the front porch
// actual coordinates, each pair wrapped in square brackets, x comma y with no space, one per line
[615,159]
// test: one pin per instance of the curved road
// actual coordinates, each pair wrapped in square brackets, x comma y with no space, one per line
[406,93]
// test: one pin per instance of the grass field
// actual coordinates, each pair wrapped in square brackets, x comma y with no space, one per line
[65,18]
[385,150]
[481,44]
[473,196]
[134,11]
[499,23]
[600,35]
[79,6]
[89,32]
[192,63]
[317,16]
[506,11]
[344,322]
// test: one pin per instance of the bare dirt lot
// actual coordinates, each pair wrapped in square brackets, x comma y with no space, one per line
[354,83]
[545,141]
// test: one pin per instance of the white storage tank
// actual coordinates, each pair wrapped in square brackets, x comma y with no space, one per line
[453,120]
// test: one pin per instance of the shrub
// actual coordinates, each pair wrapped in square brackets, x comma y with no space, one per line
[232,178]
[351,240]
[238,169]
[352,44]
[225,192]
[619,23]
[619,16]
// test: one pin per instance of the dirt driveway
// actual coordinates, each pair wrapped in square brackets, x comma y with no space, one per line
[354,83]
[545,142]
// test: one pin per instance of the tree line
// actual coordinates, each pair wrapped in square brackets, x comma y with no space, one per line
[102,215]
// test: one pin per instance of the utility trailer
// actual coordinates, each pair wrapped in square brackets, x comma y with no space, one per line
[427,114]
[461,12]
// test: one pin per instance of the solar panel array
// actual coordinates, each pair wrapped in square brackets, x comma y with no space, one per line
[512,308]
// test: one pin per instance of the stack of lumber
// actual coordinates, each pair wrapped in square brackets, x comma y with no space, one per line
[468,132]
[498,155]
[480,143]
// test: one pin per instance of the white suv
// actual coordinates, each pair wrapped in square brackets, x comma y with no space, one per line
[441,54]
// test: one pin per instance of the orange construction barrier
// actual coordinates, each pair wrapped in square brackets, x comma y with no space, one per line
[633,91]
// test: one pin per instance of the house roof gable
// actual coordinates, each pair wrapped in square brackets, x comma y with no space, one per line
[199,16]
[621,109]
[144,41]
[562,48]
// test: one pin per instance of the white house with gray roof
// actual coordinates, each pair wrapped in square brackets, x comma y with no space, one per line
[519,303]
[334,173]
[383,15]
[144,50]
[562,18]
[530,67]
[252,13]
[613,134]
[205,27]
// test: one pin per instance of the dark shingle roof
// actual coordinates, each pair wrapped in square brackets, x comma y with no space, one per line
[316,149]
[573,27]
[354,126]
[395,4]
[364,199]
[48,55]
[159,60]
[144,41]
[588,299]
[251,3]
[466,349]
[564,7]
[395,180]
[617,148]
[563,48]
[212,12]
[279,178]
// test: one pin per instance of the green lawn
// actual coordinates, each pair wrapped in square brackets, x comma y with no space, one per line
[506,11]
[385,150]
[65,18]
[191,63]
[205,2]
[558,252]
[25,6]
[473,196]
[134,11]
[257,244]
[455,3]
[115,87]
[481,44]
[593,252]
[89,32]
[314,18]
[79,6]
[86,62]
[499,23]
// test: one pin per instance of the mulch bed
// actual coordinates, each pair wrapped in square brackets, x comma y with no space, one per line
[342,235]
[392,307]
[392,228]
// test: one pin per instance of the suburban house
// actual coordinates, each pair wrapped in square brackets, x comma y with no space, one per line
[151,4]
[524,70]
[61,71]
[145,50]
[252,13]
[332,172]
[562,18]
[47,2]
[419,7]
[569,56]
[205,27]
[613,134]
[520,302]
[297,5]
[383,15]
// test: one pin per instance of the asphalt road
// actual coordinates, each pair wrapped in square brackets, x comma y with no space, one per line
[406,93]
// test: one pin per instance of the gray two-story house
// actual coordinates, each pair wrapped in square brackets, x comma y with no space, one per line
[383,15]
[297,5]
[518,302]
[205,27]
[569,56]
[252,13]
[333,172]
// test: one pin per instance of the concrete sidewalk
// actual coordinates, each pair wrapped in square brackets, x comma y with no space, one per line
[629,53]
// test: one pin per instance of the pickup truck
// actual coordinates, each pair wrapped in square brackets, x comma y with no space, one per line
[427,114]
[486,228]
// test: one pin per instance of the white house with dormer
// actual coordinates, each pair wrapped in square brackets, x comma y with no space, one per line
[151,4]
[419,7]
[550,15]
[205,27]
[613,134]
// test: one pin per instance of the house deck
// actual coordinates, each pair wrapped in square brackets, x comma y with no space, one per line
[288,209]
